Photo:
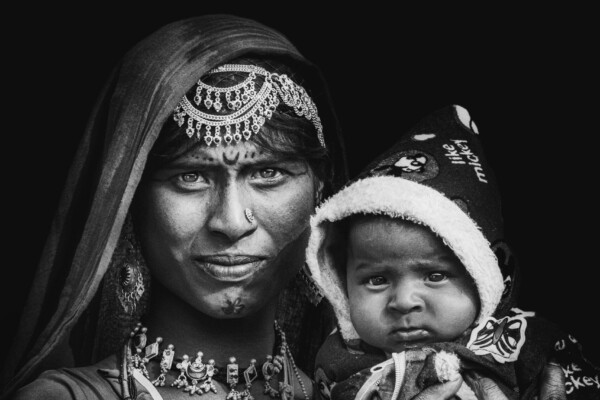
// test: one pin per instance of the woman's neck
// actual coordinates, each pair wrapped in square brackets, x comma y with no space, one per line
[191,331]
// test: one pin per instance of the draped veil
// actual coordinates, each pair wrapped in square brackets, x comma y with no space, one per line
[141,93]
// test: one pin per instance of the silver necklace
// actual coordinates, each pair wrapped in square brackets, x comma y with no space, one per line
[196,376]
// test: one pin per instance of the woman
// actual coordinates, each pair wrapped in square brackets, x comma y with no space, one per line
[221,229]
[222,226]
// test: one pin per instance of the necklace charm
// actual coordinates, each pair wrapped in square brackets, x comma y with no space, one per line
[139,342]
[232,379]
[196,371]
[181,380]
[208,384]
[250,374]
[165,365]
[269,370]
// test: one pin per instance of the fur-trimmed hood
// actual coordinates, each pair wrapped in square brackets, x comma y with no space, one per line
[435,175]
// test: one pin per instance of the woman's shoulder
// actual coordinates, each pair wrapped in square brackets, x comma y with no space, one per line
[89,382]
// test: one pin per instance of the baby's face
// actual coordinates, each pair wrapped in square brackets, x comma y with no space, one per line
[405,286]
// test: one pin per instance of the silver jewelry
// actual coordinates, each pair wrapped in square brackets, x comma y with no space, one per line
[249,215]
[130,287]
[250,104]
[196,377]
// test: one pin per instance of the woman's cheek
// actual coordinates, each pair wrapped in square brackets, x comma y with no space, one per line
[288,215]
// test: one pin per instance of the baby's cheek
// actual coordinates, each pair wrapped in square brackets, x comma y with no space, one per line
[361,312]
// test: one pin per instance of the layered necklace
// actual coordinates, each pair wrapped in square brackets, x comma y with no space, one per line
[196,376]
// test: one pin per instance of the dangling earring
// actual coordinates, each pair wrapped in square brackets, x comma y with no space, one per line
[125,292]
[130,287]
[309,287]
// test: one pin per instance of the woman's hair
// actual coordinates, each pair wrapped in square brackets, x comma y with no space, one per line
[285,133]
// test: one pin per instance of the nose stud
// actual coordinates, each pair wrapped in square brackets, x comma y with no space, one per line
[249,215]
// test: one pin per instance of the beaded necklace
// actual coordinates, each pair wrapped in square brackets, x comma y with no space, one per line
[196,376]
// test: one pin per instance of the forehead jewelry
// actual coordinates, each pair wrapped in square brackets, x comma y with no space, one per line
[249,215]
[249,104]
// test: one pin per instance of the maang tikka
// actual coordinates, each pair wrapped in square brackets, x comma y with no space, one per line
[246,105]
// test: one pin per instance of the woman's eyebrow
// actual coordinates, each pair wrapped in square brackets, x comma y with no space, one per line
[206,161]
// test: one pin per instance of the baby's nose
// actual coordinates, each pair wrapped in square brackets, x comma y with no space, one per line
[405,298]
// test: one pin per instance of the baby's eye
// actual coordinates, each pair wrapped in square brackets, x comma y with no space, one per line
[437,276]
[377,281]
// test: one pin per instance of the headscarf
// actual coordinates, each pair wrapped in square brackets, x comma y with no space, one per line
[141,93]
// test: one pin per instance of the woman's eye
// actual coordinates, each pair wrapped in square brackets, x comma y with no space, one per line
[268,173]
[269,176]
[377,281]
[437,277]
[190,178]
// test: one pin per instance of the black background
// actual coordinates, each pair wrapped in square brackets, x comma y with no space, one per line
[525,76]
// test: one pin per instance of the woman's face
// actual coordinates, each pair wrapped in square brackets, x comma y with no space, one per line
[198,241]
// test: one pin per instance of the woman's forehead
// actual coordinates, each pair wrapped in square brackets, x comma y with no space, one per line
[245,152]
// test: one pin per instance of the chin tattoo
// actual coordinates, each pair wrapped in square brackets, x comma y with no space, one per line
[233,307]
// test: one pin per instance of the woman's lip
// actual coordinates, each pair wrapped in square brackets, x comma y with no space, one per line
[230,269]
[410,334]
[229,259]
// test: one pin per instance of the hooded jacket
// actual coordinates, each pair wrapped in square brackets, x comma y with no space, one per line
[437,175]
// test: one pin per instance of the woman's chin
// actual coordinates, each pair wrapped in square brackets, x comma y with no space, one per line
[232,304]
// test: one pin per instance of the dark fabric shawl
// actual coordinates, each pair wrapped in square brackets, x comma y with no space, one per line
[139,96]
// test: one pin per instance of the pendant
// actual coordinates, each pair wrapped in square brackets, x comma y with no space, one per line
[232,380]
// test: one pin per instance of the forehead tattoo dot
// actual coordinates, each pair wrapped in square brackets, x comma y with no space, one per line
[230,161]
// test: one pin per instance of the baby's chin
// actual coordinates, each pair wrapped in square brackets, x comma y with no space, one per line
[399,348]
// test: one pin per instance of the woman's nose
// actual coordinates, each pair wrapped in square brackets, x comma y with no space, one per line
[229,217]
[406,298]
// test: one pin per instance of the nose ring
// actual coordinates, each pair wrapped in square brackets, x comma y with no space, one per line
[249,215]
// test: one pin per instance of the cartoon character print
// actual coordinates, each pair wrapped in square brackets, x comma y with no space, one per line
[414,165]
[465,119]
[500,338]
[324,384]
[581,377]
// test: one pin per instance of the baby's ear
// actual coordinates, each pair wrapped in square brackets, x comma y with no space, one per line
[334,247]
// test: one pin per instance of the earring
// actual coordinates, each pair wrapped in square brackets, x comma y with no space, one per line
[309,287]
[249,215]
[130,287]
[125,293]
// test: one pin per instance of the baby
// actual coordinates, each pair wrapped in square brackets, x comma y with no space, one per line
[411,256]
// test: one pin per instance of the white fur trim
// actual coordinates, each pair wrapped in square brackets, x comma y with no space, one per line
[401,198]
[447,366]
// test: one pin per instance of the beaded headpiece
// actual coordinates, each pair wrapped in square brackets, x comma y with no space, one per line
[248,105]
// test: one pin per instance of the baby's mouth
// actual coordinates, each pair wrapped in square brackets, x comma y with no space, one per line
[410,334]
